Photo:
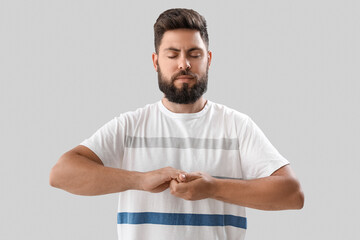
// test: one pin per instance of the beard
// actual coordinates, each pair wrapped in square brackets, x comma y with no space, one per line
[185,94]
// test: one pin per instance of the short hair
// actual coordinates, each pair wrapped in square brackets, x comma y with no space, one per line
[179,18]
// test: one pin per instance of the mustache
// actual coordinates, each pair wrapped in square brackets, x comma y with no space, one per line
[181,73]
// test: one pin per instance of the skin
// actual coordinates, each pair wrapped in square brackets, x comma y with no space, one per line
[279,191]
[80,171]
[182,49]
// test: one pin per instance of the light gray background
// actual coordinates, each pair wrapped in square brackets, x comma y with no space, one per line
[68,67]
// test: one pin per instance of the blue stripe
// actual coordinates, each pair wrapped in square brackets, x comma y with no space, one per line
[181,219]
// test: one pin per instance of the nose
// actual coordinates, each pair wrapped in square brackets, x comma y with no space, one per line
[184,63]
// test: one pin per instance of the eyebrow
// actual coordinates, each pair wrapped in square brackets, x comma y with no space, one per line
[178,50]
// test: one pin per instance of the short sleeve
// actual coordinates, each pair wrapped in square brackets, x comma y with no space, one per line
[108,143]
[259,158]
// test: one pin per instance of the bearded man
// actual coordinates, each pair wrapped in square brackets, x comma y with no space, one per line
[184,167]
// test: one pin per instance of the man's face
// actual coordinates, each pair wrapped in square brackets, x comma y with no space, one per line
[182,64]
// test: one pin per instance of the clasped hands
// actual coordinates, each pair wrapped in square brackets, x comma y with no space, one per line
[188,186]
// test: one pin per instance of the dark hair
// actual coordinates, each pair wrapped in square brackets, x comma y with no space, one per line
[179,18]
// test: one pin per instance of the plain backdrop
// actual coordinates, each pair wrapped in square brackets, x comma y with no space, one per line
[68,67]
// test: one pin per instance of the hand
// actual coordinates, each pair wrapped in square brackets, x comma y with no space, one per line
[158,180]
[193,186]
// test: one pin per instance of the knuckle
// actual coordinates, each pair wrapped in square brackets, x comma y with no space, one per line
[166,178]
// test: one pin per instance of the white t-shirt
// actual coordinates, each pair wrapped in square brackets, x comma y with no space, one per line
[217,140]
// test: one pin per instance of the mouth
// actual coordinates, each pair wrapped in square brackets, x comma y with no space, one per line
[184,78]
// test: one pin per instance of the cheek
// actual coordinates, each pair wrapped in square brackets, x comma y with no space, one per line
[167,68]
[201,63]
[199,67]
[170,65]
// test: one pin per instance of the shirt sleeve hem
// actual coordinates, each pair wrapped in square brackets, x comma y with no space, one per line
[273,166]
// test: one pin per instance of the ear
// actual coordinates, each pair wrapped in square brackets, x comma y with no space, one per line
[209,57]
[155,61]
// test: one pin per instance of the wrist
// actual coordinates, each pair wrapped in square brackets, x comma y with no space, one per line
[136,180]
[217,188]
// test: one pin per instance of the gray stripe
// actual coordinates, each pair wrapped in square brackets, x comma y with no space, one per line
[227,178]
[174,142]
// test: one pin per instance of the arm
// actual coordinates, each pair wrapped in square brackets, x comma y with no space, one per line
[80,171]
[279,191]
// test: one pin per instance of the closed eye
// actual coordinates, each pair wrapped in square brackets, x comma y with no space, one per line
[195,54]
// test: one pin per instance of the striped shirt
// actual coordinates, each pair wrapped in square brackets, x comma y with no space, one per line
[217,140]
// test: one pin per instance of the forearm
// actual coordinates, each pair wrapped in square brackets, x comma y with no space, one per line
[269,193]
[76,174]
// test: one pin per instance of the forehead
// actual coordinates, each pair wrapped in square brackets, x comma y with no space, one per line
[182,39]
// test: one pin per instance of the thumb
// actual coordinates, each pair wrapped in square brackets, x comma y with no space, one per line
[188,177]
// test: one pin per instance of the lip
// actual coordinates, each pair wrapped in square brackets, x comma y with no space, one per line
[183,77]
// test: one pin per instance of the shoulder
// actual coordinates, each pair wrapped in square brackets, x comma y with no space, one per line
[228,112]
[139,113]
[229,117]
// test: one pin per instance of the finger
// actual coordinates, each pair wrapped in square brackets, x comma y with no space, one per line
[170,173]
[176,191]
[173,186]
[177,188]
[181,177]
[182,187]
[191,176]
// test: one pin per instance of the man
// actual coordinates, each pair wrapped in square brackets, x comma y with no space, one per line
[185,167]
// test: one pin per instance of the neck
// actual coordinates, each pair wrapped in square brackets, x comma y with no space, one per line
[185,108]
